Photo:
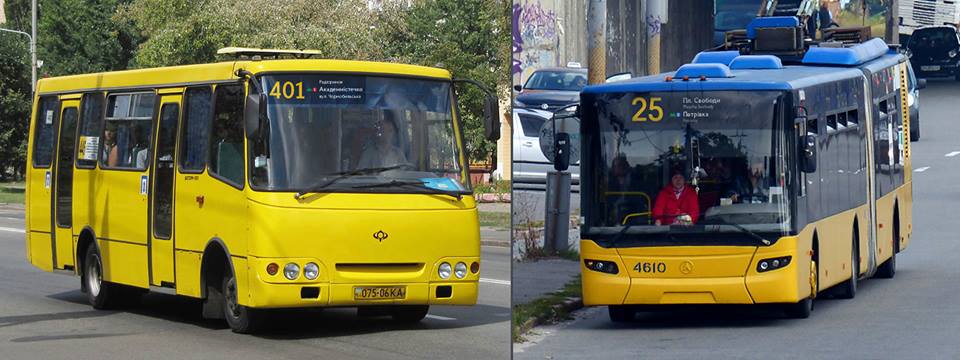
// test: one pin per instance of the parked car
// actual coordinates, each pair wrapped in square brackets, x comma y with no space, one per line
[551,88]
[913,100]
[530,166]
[934,51]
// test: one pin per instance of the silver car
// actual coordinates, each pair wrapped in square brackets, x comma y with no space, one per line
[530,166]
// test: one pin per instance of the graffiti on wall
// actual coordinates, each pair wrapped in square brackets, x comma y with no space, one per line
[536,37]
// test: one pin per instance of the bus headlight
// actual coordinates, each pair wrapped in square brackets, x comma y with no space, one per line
[910,99]
[460,270]
[444,271]
[291,271]
[311,271]
[773,264]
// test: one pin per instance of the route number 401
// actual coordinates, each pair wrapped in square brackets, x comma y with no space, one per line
[649,110]
[289,90]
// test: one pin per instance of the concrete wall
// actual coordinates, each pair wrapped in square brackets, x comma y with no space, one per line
[553,32]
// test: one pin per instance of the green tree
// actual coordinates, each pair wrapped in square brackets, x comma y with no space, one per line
[471,38]
[14,105]
[189,32]
[14,90]
[81,36]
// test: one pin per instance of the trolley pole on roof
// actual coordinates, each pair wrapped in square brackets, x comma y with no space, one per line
[597,41]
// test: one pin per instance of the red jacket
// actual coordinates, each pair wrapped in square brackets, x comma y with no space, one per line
[668,206]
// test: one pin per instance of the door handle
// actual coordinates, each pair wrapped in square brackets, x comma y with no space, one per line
[528,143]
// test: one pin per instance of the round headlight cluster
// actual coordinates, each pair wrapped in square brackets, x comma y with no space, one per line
[460,270]
[291,271]
[445,270]
[311,271]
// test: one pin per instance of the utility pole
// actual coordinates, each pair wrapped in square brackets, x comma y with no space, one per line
[597,41]
[33,48]
[655,15]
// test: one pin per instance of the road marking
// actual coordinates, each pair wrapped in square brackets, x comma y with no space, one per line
[922,169]
[495,281]
[952,153]
[17,230]
[438,317]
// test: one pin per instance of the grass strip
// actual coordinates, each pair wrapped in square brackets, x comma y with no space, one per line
[495,219]
[550,308]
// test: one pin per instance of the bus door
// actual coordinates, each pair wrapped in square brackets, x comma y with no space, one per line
[39,191]
[161,193]
[63,185]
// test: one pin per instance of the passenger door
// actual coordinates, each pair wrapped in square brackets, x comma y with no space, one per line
[39,190]
[161,193]
[63,185]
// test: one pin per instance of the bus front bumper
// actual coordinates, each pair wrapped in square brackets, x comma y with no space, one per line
[276,292]
[627,287]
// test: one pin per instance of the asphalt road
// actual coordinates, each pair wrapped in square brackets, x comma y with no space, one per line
[45,316]
[912,316]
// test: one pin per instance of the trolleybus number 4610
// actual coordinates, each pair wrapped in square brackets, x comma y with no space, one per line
[650,267]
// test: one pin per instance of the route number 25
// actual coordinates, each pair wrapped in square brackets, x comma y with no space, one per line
[649,110]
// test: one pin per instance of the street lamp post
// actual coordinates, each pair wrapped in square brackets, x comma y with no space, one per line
[33,57]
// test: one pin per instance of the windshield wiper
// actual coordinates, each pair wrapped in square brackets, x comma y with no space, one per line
[345,174]
[744,230]
[415,183]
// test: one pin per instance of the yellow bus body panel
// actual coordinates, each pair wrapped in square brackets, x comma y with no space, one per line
[336,231]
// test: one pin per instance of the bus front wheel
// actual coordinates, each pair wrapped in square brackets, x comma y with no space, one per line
[242,319]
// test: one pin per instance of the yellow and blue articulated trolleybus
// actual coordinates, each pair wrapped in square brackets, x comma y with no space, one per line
[272,181]
[769,174]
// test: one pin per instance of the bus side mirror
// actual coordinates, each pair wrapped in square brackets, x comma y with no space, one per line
[491,118]
[808,156]
[253,110]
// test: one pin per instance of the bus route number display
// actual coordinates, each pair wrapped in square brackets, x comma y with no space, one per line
[318,89]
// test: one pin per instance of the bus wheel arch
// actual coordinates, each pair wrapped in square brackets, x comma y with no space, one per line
[888,269]
[213,265]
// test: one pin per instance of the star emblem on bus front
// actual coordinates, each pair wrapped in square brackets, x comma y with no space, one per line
[380,235]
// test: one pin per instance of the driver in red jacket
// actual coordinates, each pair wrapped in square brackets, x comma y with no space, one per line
[676,200]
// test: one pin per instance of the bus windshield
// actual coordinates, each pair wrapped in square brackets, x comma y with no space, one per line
[356,133]
[690,162]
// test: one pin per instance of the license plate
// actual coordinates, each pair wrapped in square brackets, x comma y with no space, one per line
[379,292]
[930,68]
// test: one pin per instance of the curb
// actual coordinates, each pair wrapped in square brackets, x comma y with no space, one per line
[570,305]
[497,243]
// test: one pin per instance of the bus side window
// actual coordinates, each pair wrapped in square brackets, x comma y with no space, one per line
[127,131]
[195,130]
[226,145]
[47,113]
[91,119]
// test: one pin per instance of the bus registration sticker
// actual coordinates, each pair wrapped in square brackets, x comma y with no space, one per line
[379,292]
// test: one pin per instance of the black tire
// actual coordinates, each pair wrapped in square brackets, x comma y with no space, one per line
[848,289]
[621,313]
[102,295]
[800,310]
[242,319]
[888,269]
[915,132]
[409,313]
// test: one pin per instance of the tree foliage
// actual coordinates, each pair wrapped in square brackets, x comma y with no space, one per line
[80,36]
[14,105]
[471,38]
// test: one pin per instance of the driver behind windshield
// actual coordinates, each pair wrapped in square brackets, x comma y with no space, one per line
[383,151]
[752,189]
[677,203]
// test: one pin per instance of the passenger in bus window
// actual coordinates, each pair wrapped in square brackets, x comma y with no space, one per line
[384,150]
[110,147]
[677,203]
[753,188]
[623,190]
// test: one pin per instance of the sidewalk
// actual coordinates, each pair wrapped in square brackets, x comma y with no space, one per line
[533,279]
